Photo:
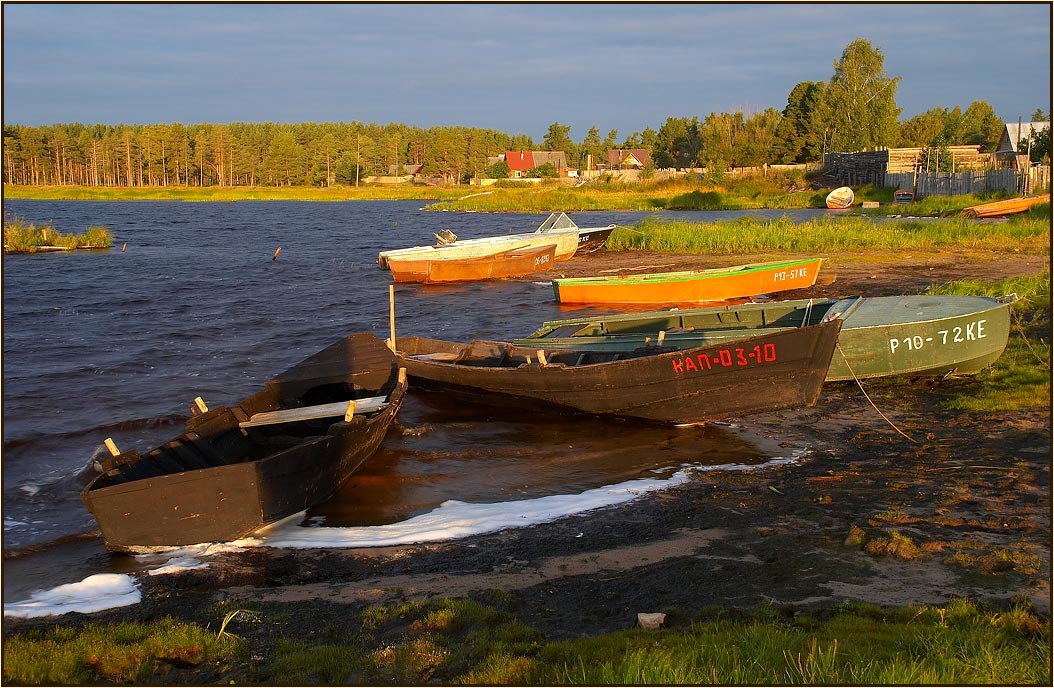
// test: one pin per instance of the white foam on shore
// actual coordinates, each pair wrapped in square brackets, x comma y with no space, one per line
[93,594]
[451,520]
[454,519]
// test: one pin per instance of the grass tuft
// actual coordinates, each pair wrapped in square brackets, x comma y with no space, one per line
[24,237]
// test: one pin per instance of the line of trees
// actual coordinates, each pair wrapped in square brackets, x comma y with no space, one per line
[854,110]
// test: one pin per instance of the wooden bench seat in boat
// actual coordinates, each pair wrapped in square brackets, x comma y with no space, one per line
[314,412]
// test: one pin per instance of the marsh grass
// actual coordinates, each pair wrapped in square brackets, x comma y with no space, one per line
[828,234]
[126,652]
[894,545]
[469,642]
[858,645]
[25,237]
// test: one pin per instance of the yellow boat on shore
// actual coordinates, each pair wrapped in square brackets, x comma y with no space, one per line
[1007,207]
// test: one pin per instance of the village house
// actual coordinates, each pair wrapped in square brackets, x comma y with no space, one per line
[521,162]
[1009,149]
[628,158]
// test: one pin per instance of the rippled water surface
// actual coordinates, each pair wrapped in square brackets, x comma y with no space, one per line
[118,344]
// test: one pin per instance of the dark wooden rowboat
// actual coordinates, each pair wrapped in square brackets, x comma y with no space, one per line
[774,371]
[918,336]
[271,455]
[514,263]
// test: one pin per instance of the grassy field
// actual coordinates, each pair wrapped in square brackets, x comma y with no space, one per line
[1028,232]
[469,642]
[774,192]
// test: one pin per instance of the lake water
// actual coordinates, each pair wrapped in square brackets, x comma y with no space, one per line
[119,343]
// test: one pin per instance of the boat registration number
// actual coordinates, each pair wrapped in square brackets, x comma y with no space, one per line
[970,332]
[732,357]
[793,273]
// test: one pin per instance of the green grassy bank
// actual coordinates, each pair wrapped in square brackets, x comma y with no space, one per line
[1028,232]
[469,642]
[25,237]
[778,191]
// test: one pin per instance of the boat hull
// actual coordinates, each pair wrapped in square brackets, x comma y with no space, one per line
[513,263]
[216,482]
[565,243]
[881,336]
[593,239]
[1007,207]
[701,286]
[767,373]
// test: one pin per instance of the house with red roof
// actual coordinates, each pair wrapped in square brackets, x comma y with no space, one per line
[521,162]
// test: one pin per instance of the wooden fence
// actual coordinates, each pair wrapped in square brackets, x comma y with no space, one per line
[959,183]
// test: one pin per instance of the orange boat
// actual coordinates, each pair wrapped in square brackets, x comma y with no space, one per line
[519,261]
[1007,207]
[698,286]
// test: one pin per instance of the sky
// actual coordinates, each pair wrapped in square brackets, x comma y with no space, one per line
[516,68]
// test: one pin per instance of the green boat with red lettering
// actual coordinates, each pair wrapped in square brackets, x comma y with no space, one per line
[919,336]
[769,371]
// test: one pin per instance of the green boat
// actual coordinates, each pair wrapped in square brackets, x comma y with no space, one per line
[882,336]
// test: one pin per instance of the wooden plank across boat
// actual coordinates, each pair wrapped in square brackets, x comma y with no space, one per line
[696,286]
[772,371]
[881,336]
[841,198]
[270,455]
[514,263]
[564,234]
[1008,207]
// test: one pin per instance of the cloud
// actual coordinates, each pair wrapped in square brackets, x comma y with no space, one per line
[513,67]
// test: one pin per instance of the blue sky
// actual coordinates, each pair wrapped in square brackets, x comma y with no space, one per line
[513,67]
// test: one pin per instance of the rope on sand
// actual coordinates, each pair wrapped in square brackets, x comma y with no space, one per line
[861,386]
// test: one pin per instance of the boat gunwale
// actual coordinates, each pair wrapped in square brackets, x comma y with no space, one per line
[683,275]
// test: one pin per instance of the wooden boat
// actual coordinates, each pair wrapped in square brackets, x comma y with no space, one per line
[553,231]
[772,371]
[514,263]
[697,286]
[271,455]
[841,198]
[903,197]
[1007,207]
[881,336]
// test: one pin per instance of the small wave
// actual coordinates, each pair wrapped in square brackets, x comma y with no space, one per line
[120,426]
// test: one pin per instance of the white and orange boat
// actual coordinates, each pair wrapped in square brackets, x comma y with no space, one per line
[523,260]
